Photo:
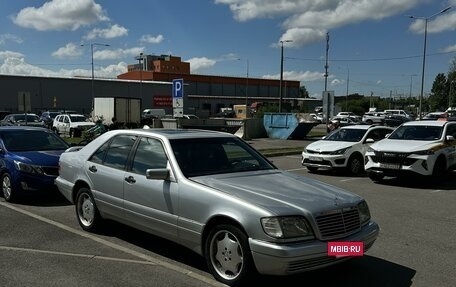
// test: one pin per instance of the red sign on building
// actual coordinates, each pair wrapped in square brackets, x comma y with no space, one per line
[163,101]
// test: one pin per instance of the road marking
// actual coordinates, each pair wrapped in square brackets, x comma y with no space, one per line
[349,179]
[145,257]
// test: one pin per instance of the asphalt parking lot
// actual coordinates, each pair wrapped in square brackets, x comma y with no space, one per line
[41,243]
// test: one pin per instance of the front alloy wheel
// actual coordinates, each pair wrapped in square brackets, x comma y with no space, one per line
[355,165]
[228,256]
[86,210]
[7,188]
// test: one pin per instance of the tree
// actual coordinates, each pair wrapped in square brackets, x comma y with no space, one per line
[303,93]
[438,100]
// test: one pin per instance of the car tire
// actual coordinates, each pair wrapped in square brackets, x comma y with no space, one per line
[86,210]
[375,176]
[312,168]
[355,164]
[439,170]
[228,255]
[369,122]
[7,188]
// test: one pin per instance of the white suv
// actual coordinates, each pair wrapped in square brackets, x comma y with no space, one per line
[71,124]
[343,149]
[416,147]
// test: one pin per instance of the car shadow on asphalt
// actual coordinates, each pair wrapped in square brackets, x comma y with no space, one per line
[43,198]
[357,272]
[422,182]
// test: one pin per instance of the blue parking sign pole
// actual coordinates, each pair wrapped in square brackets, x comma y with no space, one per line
[178,98]
[178,88]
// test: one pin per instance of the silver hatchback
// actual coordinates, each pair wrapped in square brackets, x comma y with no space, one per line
[215,194]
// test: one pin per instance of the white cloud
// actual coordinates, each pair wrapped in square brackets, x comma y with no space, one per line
[450,49]
[307,21]
[71,50]
[301,76]
[444,22]
[197,64]
[112,32]
[60,15]
[15,64]
[10,38]
[152,39]
[107,54]
[9,54]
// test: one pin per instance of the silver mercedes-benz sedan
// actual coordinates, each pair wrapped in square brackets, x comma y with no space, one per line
[215,194]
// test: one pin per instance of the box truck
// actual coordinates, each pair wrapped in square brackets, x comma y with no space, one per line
[126,111]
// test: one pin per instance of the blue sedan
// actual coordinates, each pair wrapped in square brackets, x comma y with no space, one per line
[29,159]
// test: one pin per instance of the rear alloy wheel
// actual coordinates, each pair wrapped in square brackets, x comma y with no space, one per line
[86,211]
[228,256]
[7,188]
[355,164]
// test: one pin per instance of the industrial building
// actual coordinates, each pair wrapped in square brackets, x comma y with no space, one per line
[150,80]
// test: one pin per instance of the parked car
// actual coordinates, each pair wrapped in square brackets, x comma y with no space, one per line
[349,114]
[395,120]
[343,149]
[416,147]
[216,195]
[399,113]
[435,116]
[71,124]
[346,121]
[48,118]
[29,160]
[22,120]
[374,118]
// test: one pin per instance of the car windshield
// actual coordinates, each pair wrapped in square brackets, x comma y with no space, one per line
[206,156]
[31,140]
[78,119]
[346,135]
[421,133]
[29,118]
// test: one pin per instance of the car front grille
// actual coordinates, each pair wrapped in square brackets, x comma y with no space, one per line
[338,223]
[391,157]
[318,152]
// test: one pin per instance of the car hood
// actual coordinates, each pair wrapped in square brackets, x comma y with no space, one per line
[405,146]
[278,191]
[323,145]
[42,158]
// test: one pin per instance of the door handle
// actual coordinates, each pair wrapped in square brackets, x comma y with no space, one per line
[130,179]
[93,168]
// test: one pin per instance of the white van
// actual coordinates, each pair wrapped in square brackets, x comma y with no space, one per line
[398,112]
[153,113]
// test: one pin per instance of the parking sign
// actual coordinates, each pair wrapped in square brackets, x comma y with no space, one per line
[178,88]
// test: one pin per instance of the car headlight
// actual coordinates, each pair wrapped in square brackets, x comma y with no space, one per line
[369,149]
[286,227]
[29,168]
[340,151]
[424,152]
[364,213]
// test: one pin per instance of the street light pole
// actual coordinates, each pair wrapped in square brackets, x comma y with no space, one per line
[281,73]
[247,91]
[93,74]
[426,19]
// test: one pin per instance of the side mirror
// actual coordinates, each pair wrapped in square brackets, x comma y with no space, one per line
[370,140]
[449,138]
[158,173]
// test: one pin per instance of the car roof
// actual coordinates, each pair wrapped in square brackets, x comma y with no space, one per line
[426,123]
[362,127]
[175,133]
[23,128]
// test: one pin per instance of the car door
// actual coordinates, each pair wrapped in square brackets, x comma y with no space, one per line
[150,203]
[106,170]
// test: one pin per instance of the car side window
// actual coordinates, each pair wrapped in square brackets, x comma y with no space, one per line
[149,154]
[99,154]
[451,130]
[118,151]
[66,120]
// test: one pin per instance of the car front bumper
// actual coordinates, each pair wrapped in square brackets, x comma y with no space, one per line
[324,161]
[286,259]
[421,165]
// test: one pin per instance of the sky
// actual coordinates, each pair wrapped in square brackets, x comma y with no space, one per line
[372,46]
